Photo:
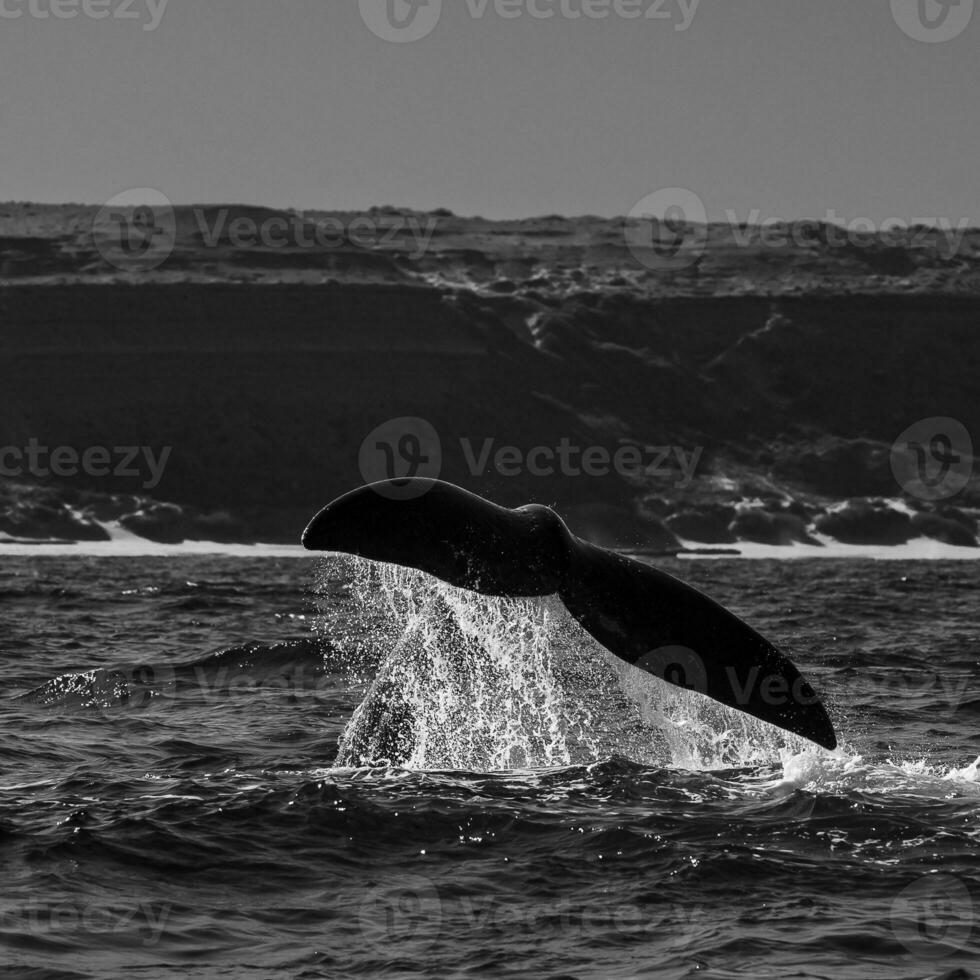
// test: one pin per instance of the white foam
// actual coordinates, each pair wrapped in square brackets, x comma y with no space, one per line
[919,549]
[465,681]
[842,771]
[125,544]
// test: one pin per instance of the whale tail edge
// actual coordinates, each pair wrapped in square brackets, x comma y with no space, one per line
[641,614]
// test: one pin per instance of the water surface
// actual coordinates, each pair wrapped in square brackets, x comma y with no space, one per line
[271,767]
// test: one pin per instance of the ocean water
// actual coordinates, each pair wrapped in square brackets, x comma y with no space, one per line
[295,767]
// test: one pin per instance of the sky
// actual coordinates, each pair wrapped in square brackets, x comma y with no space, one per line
[762,108]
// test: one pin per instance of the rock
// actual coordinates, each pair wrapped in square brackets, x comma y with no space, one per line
[162,523]
[767,527]
[221,527]
[111,508]
[171,524]
[951,513]
[43,521]
[943,529]
[654,507]
[707,525]
[558,333]
[30,512]
[864,521]
[842,467]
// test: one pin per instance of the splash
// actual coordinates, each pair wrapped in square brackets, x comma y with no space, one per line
[845,772]
[697,733]
[464,681]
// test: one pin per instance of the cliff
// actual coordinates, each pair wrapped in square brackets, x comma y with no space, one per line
[756,388]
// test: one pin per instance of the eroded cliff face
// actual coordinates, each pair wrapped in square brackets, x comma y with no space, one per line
[748,402]
[262,396]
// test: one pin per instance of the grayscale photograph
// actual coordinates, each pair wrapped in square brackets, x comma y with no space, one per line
[488,489]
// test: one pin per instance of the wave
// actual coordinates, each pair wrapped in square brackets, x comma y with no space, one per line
[298,663]
[128,545]
[472,683]
[421,677]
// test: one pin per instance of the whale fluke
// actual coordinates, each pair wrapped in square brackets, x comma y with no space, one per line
[643,615]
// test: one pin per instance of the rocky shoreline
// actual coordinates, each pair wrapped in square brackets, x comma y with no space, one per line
[759,389]
[44,514]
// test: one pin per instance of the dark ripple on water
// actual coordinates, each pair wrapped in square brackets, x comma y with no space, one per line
[170,804]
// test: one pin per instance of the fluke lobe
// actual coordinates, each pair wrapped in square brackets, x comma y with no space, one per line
[643,615]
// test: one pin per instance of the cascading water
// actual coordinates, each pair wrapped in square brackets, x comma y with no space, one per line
[465,681]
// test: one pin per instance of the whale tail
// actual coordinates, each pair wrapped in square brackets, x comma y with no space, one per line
[643,615]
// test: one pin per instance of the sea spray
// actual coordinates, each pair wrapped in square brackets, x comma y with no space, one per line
[697,733]
[465,681]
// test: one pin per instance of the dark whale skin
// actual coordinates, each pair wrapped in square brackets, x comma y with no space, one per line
[643,615]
